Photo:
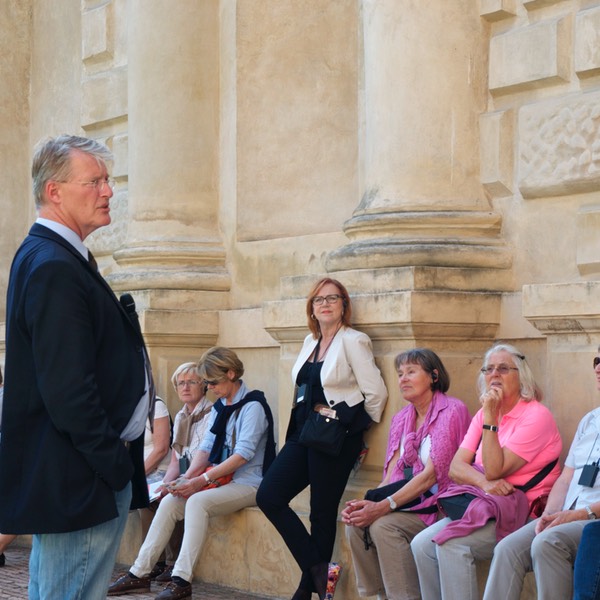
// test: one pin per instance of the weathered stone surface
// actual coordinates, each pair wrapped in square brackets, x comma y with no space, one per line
[559,151]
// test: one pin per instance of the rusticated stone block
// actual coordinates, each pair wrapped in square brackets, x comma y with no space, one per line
[588,241]
[104,97]
[495,10]
[559,146]
[533,4]
[120,148]
[587,42]
[96,42]
[496,131]
[531,57]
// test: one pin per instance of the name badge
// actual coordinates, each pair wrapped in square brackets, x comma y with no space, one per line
[300,394]
[330,413]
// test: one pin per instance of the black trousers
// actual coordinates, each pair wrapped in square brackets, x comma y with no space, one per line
[295,468]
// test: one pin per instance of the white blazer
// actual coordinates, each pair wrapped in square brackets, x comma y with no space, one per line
[349,373]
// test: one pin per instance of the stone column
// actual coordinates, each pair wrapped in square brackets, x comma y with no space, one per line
[173,86]
[424,90]
[173,259]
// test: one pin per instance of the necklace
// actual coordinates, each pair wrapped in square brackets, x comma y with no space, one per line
[322,354]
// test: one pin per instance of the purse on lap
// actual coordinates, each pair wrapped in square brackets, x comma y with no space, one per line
[456,506]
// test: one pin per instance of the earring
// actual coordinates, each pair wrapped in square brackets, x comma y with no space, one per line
[313,316]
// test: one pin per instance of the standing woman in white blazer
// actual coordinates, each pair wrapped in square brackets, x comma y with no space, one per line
[335,370]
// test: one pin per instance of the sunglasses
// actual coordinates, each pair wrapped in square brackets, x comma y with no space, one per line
[596,361]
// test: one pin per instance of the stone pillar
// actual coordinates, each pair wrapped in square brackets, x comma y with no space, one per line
[173,86]
[424,90]
[173,259]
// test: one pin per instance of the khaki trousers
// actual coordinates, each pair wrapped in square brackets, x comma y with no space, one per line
[387,567]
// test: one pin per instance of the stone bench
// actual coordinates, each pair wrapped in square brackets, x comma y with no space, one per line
[244,551]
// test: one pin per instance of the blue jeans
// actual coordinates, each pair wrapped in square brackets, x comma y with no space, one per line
[77,565]
[586,578]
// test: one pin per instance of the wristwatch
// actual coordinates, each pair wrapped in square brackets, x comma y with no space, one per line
[591,514]
[394,506]
[491,428]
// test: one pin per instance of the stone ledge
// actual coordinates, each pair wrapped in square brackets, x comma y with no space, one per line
[243,551]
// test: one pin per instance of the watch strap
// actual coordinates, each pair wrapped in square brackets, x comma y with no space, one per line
[491,427]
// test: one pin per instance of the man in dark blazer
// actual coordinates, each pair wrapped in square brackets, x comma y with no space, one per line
[77,385]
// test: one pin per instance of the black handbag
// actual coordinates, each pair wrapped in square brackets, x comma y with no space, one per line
[456,506]
[323,433]
[381,493]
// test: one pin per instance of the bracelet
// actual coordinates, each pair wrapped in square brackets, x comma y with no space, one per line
[491,428]
[206,477]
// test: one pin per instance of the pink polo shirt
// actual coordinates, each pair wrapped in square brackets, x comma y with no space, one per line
[528,430]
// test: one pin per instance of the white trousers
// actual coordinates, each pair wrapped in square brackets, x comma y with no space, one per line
[196,511]
[448,572]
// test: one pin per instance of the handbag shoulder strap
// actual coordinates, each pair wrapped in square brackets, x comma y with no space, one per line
[539,476]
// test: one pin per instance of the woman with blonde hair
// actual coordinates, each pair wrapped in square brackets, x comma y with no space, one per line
[238,445]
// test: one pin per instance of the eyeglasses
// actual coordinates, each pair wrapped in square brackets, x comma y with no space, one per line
[188,383]
[213,382]
[330,299]
[502,369]
[596,361]
[95,183]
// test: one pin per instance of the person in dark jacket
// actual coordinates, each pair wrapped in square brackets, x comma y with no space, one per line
[78,388]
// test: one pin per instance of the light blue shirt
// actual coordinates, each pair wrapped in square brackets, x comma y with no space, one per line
[251,428]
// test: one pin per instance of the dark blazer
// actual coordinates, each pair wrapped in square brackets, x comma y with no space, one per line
[74,374]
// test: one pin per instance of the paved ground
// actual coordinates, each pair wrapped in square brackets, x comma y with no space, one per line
[14,576]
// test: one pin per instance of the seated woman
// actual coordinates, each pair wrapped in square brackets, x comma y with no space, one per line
[239,442]
[189,428]
[548,546]
[511,439]
[423,439]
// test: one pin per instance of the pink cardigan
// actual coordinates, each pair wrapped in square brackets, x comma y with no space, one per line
[446,423]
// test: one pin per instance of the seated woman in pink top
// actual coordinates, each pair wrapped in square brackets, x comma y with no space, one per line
[424,435]
[511,439]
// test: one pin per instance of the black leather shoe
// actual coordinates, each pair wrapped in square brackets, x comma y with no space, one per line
[127,584]
[157,569]
[174,592]
[2,560]
[165,576]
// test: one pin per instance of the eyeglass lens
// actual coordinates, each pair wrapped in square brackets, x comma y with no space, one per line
[330,299]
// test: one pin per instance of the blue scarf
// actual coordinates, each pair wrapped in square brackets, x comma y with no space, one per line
[224,411]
